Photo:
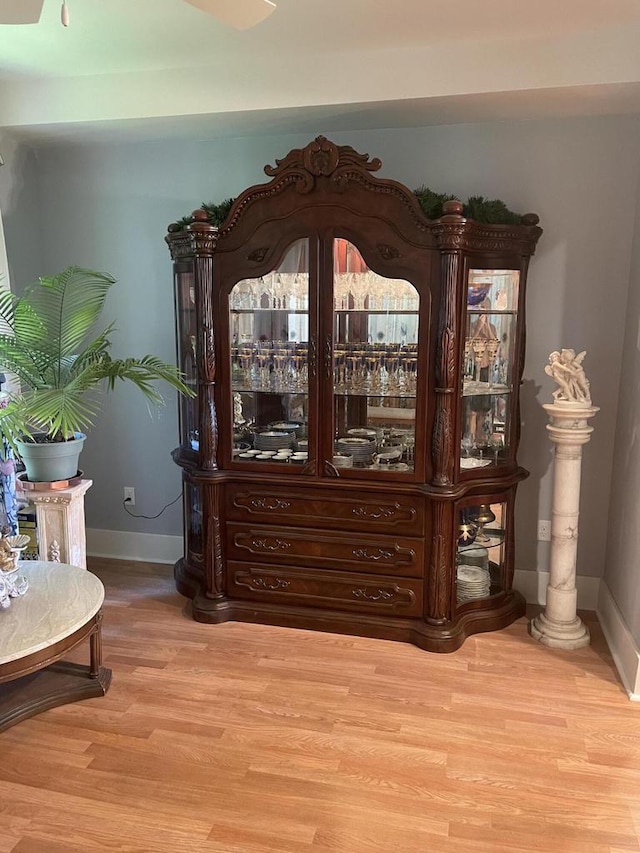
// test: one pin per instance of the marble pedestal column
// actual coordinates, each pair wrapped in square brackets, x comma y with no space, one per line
[61,527]
[559,626]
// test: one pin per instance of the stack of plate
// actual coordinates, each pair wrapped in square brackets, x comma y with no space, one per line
[473,582]
[272,439]
[363,432]
[361,449]
[287,426]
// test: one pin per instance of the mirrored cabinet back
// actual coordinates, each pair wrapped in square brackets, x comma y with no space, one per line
[349,459]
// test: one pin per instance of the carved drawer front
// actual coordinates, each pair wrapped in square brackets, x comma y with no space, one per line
[360,552]
[321,588]
[386,514]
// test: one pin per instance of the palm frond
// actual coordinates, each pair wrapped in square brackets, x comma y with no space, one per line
[69,303]
[143,371]
[27,364]
[61,411]
[44,342]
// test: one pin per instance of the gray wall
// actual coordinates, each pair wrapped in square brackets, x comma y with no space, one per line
[107,206]
[19,203]
[621,571]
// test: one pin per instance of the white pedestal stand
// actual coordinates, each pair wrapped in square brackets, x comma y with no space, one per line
[61,527]
[559,626]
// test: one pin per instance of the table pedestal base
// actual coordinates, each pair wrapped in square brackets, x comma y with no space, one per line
[58,684]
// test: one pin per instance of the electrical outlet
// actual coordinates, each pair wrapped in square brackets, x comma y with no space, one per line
[130,495]
[544,531]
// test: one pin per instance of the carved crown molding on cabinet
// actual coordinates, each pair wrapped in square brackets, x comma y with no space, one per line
[198,238]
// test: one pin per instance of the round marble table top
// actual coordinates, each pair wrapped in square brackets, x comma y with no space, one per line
[60,600]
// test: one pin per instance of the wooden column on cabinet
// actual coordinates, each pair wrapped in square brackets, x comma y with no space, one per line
[438,607]
[205,342]
[213,557]
[447,380]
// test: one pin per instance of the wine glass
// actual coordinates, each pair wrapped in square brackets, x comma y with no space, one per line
[467,444]
[496,443]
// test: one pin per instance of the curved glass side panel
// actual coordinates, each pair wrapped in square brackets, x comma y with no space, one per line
[375,366]
[193,520]
[481,551]
[269,328]
[186,340]
[488,367]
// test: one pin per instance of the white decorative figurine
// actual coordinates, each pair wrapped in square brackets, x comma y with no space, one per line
[565,367]
[11,584]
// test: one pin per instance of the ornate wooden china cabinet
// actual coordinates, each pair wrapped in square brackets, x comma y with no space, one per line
[349,461]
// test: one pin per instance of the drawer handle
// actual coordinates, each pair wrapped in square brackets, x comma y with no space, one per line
[269,583]
[271,544]
[381,554]
[378,595]
[271,504]
[378,512]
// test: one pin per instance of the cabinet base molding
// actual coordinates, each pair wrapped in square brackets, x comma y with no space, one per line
[432,638]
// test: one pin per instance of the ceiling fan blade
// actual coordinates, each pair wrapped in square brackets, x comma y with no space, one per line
[240,14]
[23,12]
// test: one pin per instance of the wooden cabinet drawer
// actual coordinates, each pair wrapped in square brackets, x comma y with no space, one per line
[401,514]
[321,588]
[358,552]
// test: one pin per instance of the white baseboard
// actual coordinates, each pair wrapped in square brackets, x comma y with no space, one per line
[145,547]
[624,649]
[533,585]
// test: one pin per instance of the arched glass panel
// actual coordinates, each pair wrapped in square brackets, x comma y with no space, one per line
[375,366]
[269,329]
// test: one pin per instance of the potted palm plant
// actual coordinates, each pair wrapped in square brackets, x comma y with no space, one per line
[49,342]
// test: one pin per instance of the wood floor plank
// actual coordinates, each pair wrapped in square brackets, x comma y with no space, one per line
[242,738]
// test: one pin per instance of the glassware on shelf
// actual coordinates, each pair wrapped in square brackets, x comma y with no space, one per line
[496,445]
[467,444]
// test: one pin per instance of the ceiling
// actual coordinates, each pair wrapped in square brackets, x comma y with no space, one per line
[162,67]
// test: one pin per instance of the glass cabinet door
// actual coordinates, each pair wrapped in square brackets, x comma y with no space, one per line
[269,330]
[375,366]
[481,551]
[491,308]
[186,341]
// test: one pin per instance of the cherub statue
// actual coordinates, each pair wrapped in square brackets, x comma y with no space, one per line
[10,548]
[7,556]
[565,367]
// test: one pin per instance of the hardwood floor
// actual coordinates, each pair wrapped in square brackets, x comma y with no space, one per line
[251,739]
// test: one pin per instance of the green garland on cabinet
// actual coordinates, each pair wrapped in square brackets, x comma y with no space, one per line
[489,211]
[216,213]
